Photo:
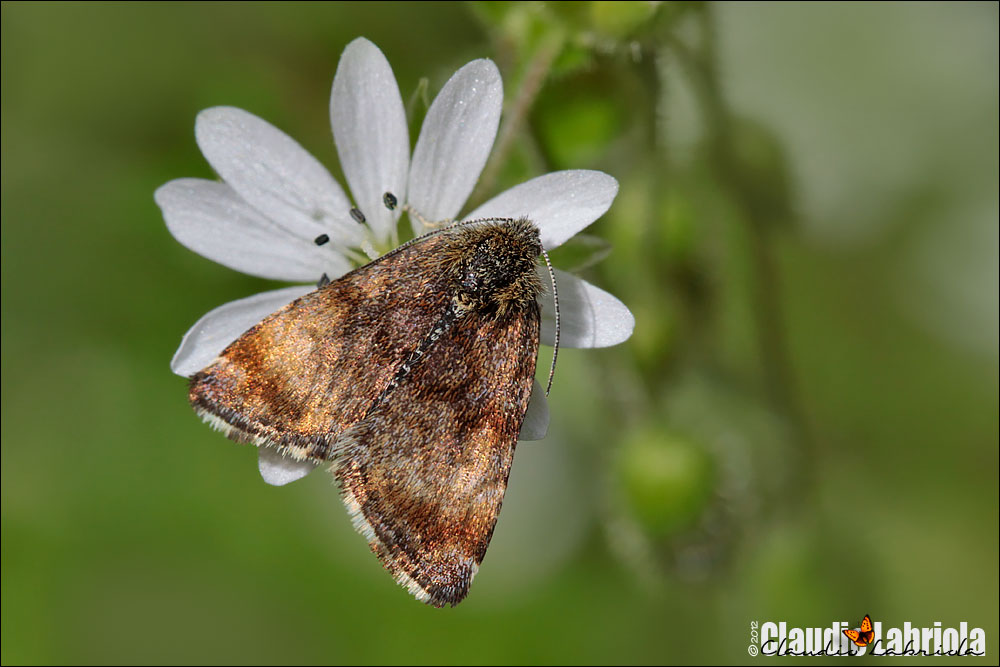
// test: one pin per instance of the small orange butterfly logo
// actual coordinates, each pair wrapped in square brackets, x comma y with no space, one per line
[864,636]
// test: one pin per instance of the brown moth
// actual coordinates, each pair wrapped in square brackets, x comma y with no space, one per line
[411,377]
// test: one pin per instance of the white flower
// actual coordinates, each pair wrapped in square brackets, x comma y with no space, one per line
[276,200]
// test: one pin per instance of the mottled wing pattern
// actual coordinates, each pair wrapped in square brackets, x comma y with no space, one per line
[301,376]
[424,474]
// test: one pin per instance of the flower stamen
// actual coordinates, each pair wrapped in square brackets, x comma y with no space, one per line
[370,250]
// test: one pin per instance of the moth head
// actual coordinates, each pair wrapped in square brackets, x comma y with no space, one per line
[496,265]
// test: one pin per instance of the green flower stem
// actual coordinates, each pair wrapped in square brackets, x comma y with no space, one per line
[516,112]
[779,377]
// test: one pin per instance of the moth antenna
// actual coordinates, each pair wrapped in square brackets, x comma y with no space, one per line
[555,300]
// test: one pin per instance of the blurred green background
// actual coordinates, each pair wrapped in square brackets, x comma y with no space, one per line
[803,427]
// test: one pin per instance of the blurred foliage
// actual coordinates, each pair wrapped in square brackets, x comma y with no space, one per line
[803,427]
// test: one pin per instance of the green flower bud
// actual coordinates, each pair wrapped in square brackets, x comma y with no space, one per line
[668,481]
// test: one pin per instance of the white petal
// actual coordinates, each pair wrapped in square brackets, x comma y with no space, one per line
[275,175]
[536,419]
[369,127]
[455,140]
[278,470]
[589,316]
[561,203]
[218,328]
[211,219]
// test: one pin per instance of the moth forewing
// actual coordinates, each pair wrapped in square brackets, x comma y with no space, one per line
[412,376]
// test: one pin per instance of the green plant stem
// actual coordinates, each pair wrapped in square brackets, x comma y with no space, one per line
[772,340]
[515,114]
